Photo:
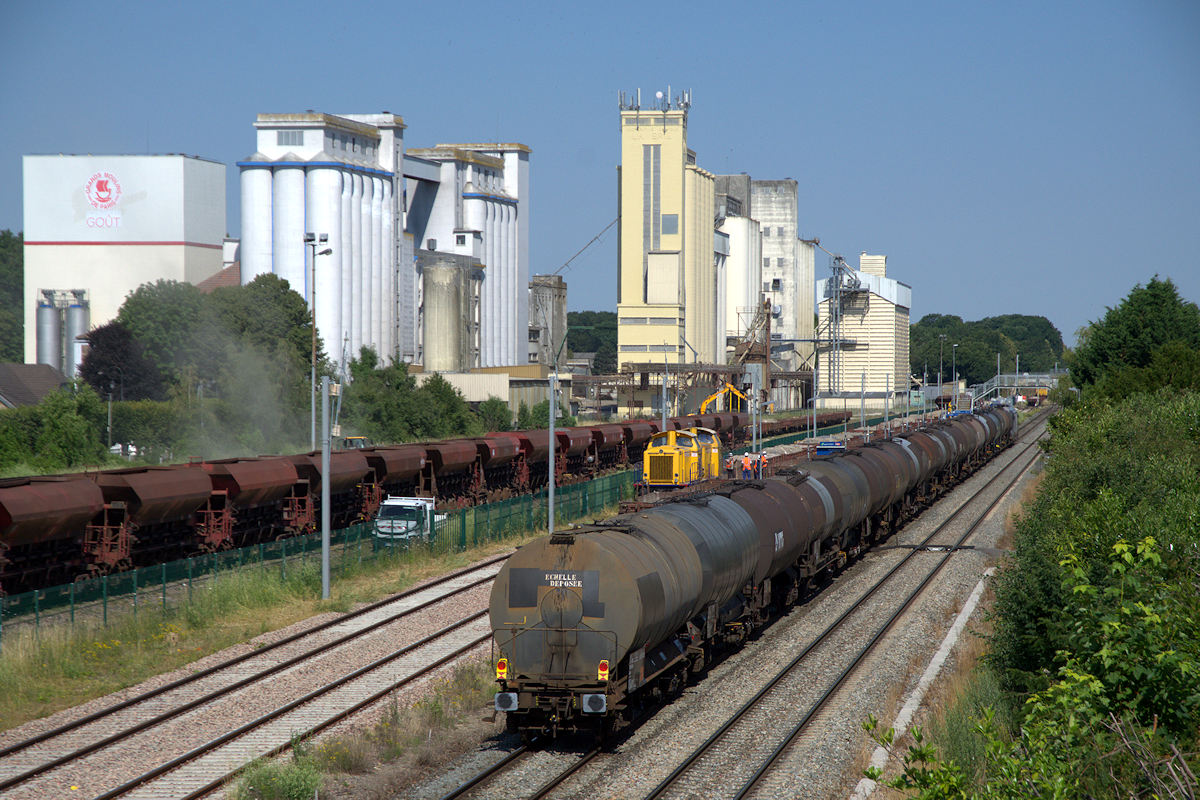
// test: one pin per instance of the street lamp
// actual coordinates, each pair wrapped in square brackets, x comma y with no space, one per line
[554,410]
[954,361]
[313,241]
[941,352]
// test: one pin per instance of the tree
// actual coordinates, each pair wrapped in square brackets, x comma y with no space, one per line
[116,362]
[495,415]
[1036,339]
[171,321]
[594,332]
[12,289]
[1148,318]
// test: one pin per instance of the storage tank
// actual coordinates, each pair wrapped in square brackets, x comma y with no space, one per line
[448,328]
[257,219]
[78,322]
[49,331]
[442,325]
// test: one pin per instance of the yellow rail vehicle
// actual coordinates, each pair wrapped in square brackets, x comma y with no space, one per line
[681,458]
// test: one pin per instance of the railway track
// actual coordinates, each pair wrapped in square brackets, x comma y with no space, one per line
[741,746]
[36,766]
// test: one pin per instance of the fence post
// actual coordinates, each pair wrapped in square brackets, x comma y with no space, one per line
[283,559]
[104,593]
[135,593]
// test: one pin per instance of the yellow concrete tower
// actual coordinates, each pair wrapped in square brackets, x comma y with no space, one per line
[665,269]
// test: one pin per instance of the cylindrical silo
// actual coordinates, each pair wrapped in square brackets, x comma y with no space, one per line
[324,217]
[512,298]
[346,259]
[494,330]
[49,332]
[78,322]
[389,272]
[289,226]
[257,233]
[443,321]
[377,266]
[367,248]
[356,282]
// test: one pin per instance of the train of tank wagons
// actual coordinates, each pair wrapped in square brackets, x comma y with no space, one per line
[593,623]
[55,529]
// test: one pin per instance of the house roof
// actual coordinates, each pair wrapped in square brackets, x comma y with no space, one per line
[230,276]
[28,384]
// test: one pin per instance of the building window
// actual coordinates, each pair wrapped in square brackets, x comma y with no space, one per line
[670,224]
[633,348]
[289,137]
[766,231]
[779,230]
[460,239]
[776,284]
[535,335]
[781,262]
[767,263]
[663,321]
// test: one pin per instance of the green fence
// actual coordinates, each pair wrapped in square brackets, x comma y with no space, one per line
[169,585]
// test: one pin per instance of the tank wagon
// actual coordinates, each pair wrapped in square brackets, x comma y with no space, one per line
[591,622]
[56,529]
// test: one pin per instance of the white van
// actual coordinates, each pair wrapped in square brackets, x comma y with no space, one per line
[403,520]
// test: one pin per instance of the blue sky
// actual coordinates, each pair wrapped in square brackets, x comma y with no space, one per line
[1023,157]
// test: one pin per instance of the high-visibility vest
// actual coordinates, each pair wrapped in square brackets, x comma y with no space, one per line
[746,462]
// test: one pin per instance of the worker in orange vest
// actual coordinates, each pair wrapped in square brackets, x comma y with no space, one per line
[729,465]
[760,464]
[747,466]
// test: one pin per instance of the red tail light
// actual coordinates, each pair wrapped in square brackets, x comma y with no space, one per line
[502,669]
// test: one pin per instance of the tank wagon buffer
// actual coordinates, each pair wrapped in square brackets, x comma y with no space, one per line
[592,623]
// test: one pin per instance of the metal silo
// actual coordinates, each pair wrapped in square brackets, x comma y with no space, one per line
[78,323]
[49,331]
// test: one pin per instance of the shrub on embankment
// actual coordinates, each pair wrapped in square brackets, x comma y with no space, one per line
[1096,642]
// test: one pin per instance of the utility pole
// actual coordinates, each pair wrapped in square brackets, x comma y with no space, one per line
[941,354]
[325,500]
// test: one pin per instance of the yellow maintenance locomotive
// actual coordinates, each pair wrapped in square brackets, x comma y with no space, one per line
[681,458]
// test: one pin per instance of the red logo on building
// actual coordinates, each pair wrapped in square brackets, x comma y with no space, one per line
[103,190]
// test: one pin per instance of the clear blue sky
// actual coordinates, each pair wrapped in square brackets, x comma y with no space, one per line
[1019,157]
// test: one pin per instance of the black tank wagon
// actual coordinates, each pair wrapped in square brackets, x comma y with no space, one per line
[591,621]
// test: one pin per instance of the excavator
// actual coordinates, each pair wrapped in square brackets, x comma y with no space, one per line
[727,388]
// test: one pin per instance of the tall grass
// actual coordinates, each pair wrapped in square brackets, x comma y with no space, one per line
[44,670]
[417,731]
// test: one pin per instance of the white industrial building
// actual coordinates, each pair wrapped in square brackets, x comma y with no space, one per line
[335,177]
[97,227]
[787,268]
[864,330]
[743,289]
[479,207]
[348,178]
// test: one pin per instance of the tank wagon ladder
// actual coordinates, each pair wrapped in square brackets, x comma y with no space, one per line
[214,523]
[108,540]
[299,514]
